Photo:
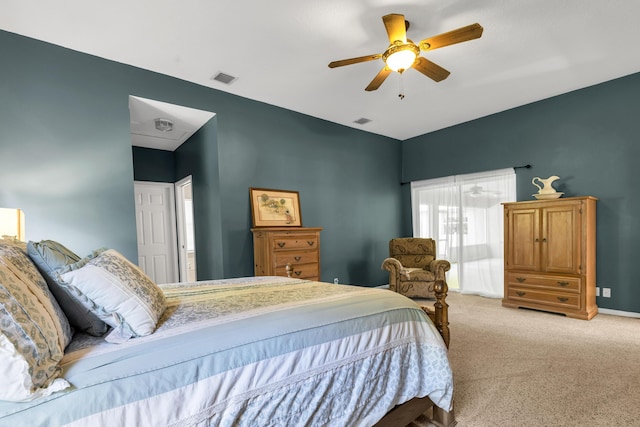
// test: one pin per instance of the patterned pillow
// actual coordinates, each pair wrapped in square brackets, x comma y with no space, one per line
[16,259]
[117,292]
[51,256]
[33,335]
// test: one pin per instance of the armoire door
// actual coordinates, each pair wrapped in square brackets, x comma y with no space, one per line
[561,239]
[523,242]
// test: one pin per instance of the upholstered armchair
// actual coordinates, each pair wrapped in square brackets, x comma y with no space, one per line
[413,267]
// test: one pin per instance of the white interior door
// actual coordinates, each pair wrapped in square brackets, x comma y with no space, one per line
[156,228]
[186,234]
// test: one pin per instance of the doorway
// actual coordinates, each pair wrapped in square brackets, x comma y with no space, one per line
[186,232]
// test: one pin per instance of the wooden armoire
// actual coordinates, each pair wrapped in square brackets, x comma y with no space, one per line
[550,255]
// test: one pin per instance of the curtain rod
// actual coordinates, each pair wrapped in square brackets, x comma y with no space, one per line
[514,167]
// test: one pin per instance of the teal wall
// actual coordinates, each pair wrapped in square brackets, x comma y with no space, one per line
[199,158]
[589,138]
[67,161]
[154,165]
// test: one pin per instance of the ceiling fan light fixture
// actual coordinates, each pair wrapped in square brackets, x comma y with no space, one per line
[399,57]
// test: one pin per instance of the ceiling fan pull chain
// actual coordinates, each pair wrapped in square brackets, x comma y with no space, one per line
[401,94]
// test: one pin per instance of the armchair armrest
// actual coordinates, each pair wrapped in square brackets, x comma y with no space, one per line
[394,268]
[391,265]
[439,267]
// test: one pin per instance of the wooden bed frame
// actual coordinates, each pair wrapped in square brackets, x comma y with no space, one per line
[404,414]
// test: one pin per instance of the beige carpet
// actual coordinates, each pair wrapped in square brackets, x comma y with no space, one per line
[518,367]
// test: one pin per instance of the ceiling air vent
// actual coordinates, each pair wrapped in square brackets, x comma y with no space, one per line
[362,121]
[224,78]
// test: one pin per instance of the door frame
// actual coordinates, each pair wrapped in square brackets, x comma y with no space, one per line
[181,228]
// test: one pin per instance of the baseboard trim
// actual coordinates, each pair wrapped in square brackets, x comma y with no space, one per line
[600,310]
[618,313]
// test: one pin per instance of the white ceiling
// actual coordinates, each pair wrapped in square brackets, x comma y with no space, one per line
[279,50]
[185,122]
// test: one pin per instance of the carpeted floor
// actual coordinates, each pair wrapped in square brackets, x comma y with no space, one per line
[518,367]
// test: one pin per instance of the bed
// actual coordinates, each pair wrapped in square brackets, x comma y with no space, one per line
[255,351]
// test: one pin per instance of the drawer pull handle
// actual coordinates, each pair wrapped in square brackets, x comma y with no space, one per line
[521,279]
[563,283]
[310,242]
[297,258]
[298,272]
[281,244]
[563,299]
[521,293]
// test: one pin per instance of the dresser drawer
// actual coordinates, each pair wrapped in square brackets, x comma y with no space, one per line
[283,258]
[558,299]
[295,242]
[568,284]
[300,271]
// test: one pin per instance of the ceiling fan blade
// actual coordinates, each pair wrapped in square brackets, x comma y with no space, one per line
[350,61]
[430,69]
[379,79]
[396,27]
[463,34]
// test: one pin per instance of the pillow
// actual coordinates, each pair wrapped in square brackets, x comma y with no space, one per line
[51,256]
[15,258]
[31,345]
[116,291]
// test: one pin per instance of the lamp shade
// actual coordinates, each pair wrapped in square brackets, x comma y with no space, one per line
[401,60]
[400,56]
[12,223]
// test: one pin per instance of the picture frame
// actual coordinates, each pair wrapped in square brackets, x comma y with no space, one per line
[275,208]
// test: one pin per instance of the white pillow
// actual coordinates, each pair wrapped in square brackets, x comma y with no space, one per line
[16,383]
[117,292]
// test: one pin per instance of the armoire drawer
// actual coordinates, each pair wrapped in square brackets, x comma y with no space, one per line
[558,299]
[561,283]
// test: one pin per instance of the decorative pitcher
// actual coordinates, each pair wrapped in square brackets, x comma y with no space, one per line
[546,184]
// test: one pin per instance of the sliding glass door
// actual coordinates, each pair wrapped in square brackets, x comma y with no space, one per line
[464,215]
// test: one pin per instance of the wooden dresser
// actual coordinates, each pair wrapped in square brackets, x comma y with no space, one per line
[287,251]
[550,255]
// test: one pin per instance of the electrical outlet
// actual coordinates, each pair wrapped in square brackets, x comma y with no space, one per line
[335,280]
[606,292]
[597,291]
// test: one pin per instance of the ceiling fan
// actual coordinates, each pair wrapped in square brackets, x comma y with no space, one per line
[478,191]
[403,53]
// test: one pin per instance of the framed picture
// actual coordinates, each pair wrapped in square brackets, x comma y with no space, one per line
[275,208]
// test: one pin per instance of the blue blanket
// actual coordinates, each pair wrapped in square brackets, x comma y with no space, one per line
[263,351]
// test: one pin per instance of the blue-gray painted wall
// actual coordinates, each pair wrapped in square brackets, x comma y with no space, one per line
[590,138]
[68,163]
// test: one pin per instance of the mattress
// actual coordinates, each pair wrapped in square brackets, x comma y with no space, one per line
[256,351]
